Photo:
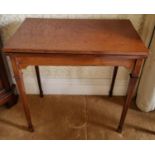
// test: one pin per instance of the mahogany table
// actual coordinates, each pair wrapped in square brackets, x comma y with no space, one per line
[76,42]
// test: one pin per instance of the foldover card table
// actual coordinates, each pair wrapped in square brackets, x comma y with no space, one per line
[76,42]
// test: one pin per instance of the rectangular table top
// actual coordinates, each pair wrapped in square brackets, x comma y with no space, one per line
[76,36]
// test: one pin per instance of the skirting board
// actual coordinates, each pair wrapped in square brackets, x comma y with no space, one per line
[75,86]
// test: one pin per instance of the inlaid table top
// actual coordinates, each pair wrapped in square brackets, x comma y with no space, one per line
[76,36]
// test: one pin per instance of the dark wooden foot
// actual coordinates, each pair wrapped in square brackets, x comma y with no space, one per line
[119,129]
[39,80]
[30,128]
[14,100]
[113,81]
[12,97]
[8,98]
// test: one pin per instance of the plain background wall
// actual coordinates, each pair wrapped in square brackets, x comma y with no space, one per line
[146,91]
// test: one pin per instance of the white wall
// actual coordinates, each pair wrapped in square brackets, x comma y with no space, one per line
[71,80]
[146,91]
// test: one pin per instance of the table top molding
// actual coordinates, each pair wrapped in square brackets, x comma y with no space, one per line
[76,36]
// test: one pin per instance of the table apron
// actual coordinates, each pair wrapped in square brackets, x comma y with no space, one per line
[72,60]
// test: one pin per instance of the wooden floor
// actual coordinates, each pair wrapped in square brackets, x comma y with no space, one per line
[75,117]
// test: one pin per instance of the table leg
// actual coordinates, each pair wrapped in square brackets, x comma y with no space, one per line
[20,83]
[113,81]
[39,80]
[130,92]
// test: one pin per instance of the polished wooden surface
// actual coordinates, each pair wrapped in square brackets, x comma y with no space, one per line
[76,43]
[72,60]
[76,36]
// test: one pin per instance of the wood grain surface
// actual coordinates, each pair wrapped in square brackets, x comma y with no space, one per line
[76,36]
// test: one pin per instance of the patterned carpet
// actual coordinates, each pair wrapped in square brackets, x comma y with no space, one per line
[75,117]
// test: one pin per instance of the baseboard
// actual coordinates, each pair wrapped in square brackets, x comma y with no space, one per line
[75,86]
